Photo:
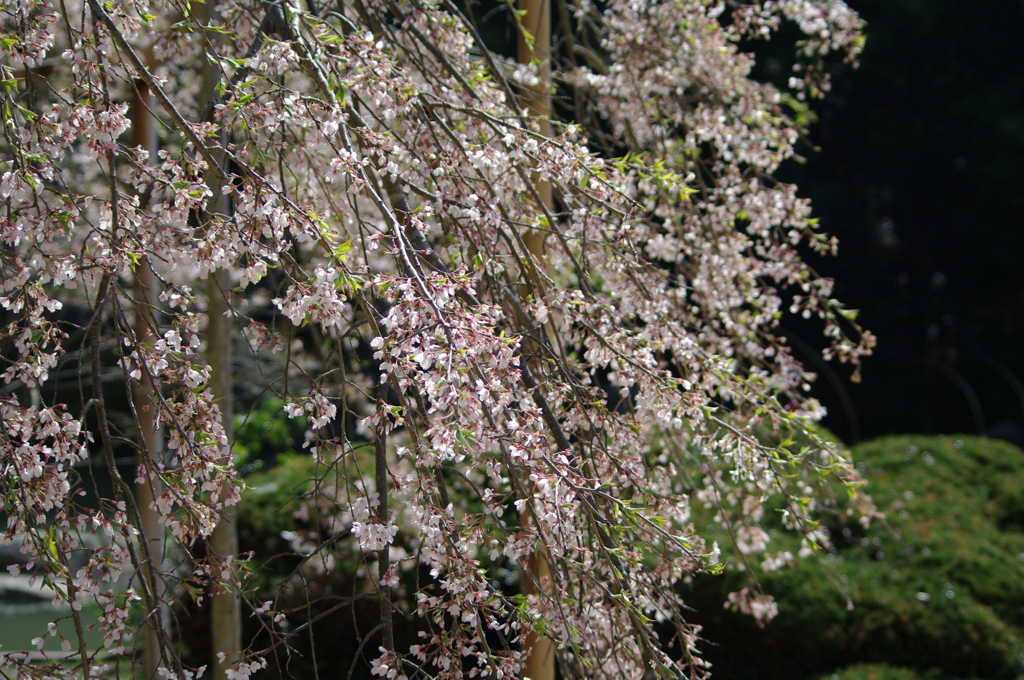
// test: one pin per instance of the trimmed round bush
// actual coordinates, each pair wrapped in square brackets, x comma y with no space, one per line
[933,590]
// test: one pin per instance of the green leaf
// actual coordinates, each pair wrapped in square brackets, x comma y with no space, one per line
[51,544]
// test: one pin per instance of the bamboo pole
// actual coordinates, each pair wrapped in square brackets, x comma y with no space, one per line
[540,650]
[226,607]
[536,21]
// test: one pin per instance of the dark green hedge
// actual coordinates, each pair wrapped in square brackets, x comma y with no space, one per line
[937,587]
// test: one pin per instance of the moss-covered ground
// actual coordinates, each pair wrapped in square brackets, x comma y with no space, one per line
[934,591]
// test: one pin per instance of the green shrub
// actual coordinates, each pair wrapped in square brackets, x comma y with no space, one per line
[876,671]
[936,587]
[327,596]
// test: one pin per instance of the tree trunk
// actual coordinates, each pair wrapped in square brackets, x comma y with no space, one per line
[146,408]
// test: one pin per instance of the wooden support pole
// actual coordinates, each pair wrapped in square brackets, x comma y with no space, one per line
[144,395]
[226,608]
[537,22]
[540,651]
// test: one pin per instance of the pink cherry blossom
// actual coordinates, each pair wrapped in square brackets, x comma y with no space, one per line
[566,381]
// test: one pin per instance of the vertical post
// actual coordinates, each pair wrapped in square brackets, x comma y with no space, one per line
[144,395]
[226,609]
[536,20]
[540,651]
[384,554]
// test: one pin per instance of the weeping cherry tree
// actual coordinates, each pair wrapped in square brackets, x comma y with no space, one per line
[517,332]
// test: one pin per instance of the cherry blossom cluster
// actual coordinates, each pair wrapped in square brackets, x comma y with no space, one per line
[494,380]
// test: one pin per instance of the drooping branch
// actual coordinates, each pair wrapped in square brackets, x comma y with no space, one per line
[582,340]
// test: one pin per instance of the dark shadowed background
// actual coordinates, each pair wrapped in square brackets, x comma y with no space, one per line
[919,175]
